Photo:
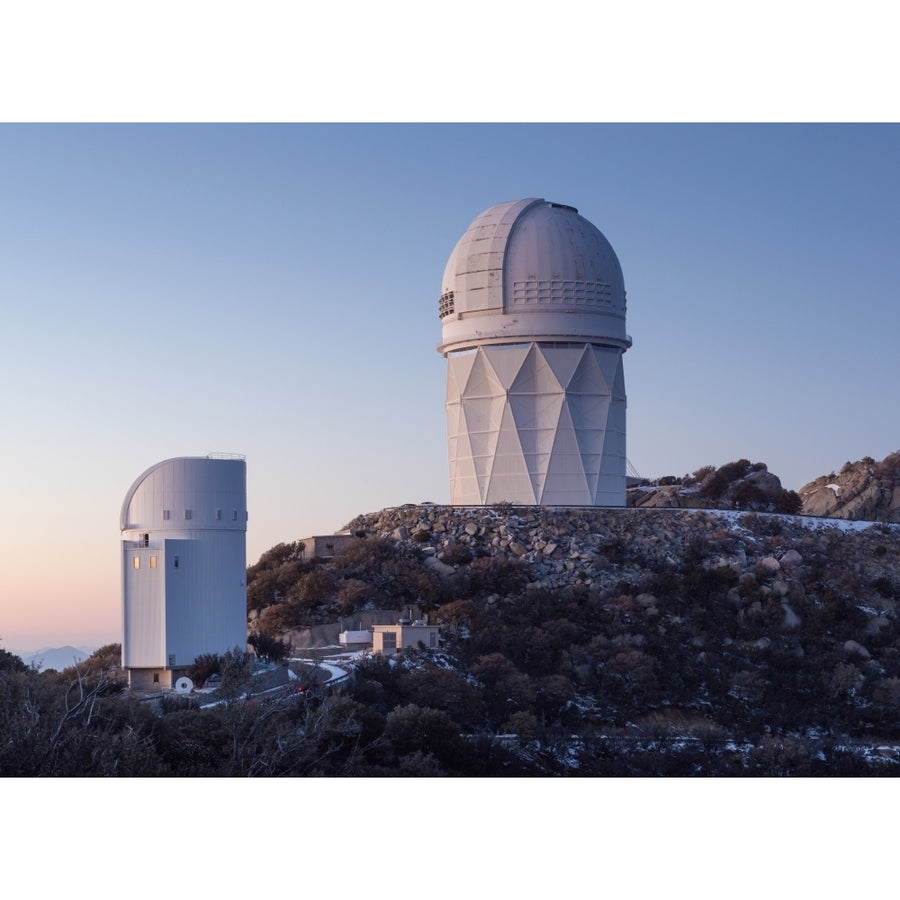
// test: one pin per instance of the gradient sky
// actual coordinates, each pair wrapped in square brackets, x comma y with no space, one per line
[272,291]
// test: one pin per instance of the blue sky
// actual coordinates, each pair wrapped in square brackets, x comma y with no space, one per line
[272,290]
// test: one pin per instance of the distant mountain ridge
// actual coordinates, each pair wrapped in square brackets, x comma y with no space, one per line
[58,658]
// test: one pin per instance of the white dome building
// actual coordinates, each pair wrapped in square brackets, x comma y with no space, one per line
[532,312]
[184,566]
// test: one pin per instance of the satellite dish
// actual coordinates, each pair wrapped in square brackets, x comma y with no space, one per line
[184,685]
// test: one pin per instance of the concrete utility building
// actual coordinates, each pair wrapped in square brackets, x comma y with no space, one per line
[532,311]
[184,565]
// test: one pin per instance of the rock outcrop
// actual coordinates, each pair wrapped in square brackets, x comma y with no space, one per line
[863,490]
[609,547]
[736,485]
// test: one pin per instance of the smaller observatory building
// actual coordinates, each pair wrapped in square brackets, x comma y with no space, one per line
[184,566]
[532,311]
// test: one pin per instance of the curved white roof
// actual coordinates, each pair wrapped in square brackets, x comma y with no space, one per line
[532,270]
[188,492]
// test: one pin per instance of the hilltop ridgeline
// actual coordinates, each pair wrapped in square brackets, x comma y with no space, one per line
[864,490]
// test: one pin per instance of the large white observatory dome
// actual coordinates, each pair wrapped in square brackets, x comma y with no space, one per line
[526,259]
[532,311]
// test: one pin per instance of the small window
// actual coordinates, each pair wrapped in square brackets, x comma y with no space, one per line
[218,514]
[187,514]
[166,514]
[156,677]
[152,562]
[176,562]
[171,659]
[136,562]
[234,515]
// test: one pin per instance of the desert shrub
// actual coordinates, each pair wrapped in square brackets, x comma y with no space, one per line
[716,483]
[889,467]
[313,589]
[787,502]
[703,472]
[430,731]
[846,680]
[456,554]
[523,724]
[747,685]
[203,666]
[631,676]
[443,689]
[506,689]
[887,692]
[269,648]
[493,575]
[275,619]
[9,662]
[276,572]
[353,593]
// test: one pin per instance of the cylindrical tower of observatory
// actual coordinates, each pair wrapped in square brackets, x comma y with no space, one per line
[532,311]
[184,565]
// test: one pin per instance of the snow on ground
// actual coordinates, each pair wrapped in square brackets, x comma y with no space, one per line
[813,523]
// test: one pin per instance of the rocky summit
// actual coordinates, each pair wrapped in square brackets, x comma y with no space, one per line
[863,490]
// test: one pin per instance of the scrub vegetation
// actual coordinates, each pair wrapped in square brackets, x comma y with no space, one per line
[574,643]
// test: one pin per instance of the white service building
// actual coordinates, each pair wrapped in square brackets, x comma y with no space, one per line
[184,565]
[532,313]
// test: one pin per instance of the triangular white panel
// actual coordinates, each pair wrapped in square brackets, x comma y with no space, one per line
[610,362]
[536,410]
[506,362]
[482,413]
[482,381]
[516,433]
[588,377]
[535,376]
[589,411]
[563,362]
[619,383]
[458,370]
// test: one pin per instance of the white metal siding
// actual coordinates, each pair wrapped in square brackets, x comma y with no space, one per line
[192,512]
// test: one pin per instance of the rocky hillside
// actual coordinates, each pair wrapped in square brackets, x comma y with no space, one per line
[736,485]
[643,641]
[865,490]
[862,490]
[635,641]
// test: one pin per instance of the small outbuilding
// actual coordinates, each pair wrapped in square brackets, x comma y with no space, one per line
[388,639]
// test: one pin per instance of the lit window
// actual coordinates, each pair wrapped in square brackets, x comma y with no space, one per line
[136,562]
[152,562]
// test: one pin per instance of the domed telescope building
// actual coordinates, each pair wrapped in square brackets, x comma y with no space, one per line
[532,312]
[184,566]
